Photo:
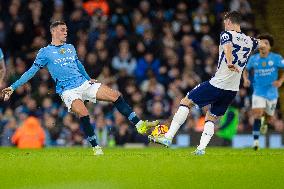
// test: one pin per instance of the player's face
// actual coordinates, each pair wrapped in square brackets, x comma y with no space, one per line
[265,46]
[60,33]
[227,24]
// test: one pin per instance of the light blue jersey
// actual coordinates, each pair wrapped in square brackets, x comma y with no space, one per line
[63,65]
[265,73]
[1,54]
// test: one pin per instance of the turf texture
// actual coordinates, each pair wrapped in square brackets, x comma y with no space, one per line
[141,168]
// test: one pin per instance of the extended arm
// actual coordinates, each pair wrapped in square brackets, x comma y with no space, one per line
[278,83]
[25,77]
[280,65]
[7,92]
[246,78]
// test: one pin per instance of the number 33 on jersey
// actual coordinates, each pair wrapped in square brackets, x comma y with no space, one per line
[242,46]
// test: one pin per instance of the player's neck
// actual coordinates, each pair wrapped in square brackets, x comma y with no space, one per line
[56,42]
[263,54]
[236,28]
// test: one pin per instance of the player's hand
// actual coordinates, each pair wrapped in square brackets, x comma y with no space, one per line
[246,82]
[7,92]
[233,68]
[277,83]
[92,81]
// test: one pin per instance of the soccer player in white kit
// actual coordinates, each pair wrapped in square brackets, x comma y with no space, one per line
[219,92]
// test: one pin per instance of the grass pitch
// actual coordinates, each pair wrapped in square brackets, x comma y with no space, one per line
[140,168]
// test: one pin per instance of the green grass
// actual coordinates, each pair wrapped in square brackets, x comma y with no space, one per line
[141,168]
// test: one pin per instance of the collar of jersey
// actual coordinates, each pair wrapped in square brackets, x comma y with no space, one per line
[236,31]
[57,45]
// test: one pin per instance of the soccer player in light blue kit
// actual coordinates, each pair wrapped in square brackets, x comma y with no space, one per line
[2,67]
[265,66]
[74,85]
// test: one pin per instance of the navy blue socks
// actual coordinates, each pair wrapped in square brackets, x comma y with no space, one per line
[122,106]
[89,130]
[256,128]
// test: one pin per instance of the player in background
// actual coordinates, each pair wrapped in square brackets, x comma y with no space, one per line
[74,85]
[2,67]
[266,82]
[234,50]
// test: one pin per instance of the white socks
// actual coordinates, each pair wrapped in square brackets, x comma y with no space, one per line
[208,132]
[179,118]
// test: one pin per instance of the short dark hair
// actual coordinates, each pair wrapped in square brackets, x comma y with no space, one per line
[234,16]
[268,37]
[56,23]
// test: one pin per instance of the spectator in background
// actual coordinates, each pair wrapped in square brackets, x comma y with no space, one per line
[52,131]
[7,133]
[101,131]
[148,63]
[93,5]
[122,134]
[180,36]
[29,134]
[124,61]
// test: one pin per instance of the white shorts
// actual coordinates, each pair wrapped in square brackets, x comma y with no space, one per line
[84,92]
[261,102]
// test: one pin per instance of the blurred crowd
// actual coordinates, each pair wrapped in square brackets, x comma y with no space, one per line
[152,51]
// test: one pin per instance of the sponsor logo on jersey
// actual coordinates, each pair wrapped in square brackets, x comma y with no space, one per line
[62,51]
[225,37]
[64,61]
[242,39]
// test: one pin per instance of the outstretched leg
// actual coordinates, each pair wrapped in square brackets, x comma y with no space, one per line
[107,94]
[178,119]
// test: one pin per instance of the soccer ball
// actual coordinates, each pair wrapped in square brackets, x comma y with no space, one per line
[160,130]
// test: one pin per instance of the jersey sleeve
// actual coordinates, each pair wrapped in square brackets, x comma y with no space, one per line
[280,62]
[254,44]
[225,38]
[25,77]
[40,60]
[1,54]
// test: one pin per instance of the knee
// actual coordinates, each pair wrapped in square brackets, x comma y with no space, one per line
[79,109]
[187,102]
[115,95]
[257,114]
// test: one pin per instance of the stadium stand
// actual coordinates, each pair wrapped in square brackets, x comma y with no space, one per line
[153,52]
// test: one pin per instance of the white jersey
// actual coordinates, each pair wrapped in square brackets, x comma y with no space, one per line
[242,45]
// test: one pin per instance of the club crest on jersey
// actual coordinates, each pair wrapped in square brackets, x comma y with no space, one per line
[270,63]
[263,64]
[62,51]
